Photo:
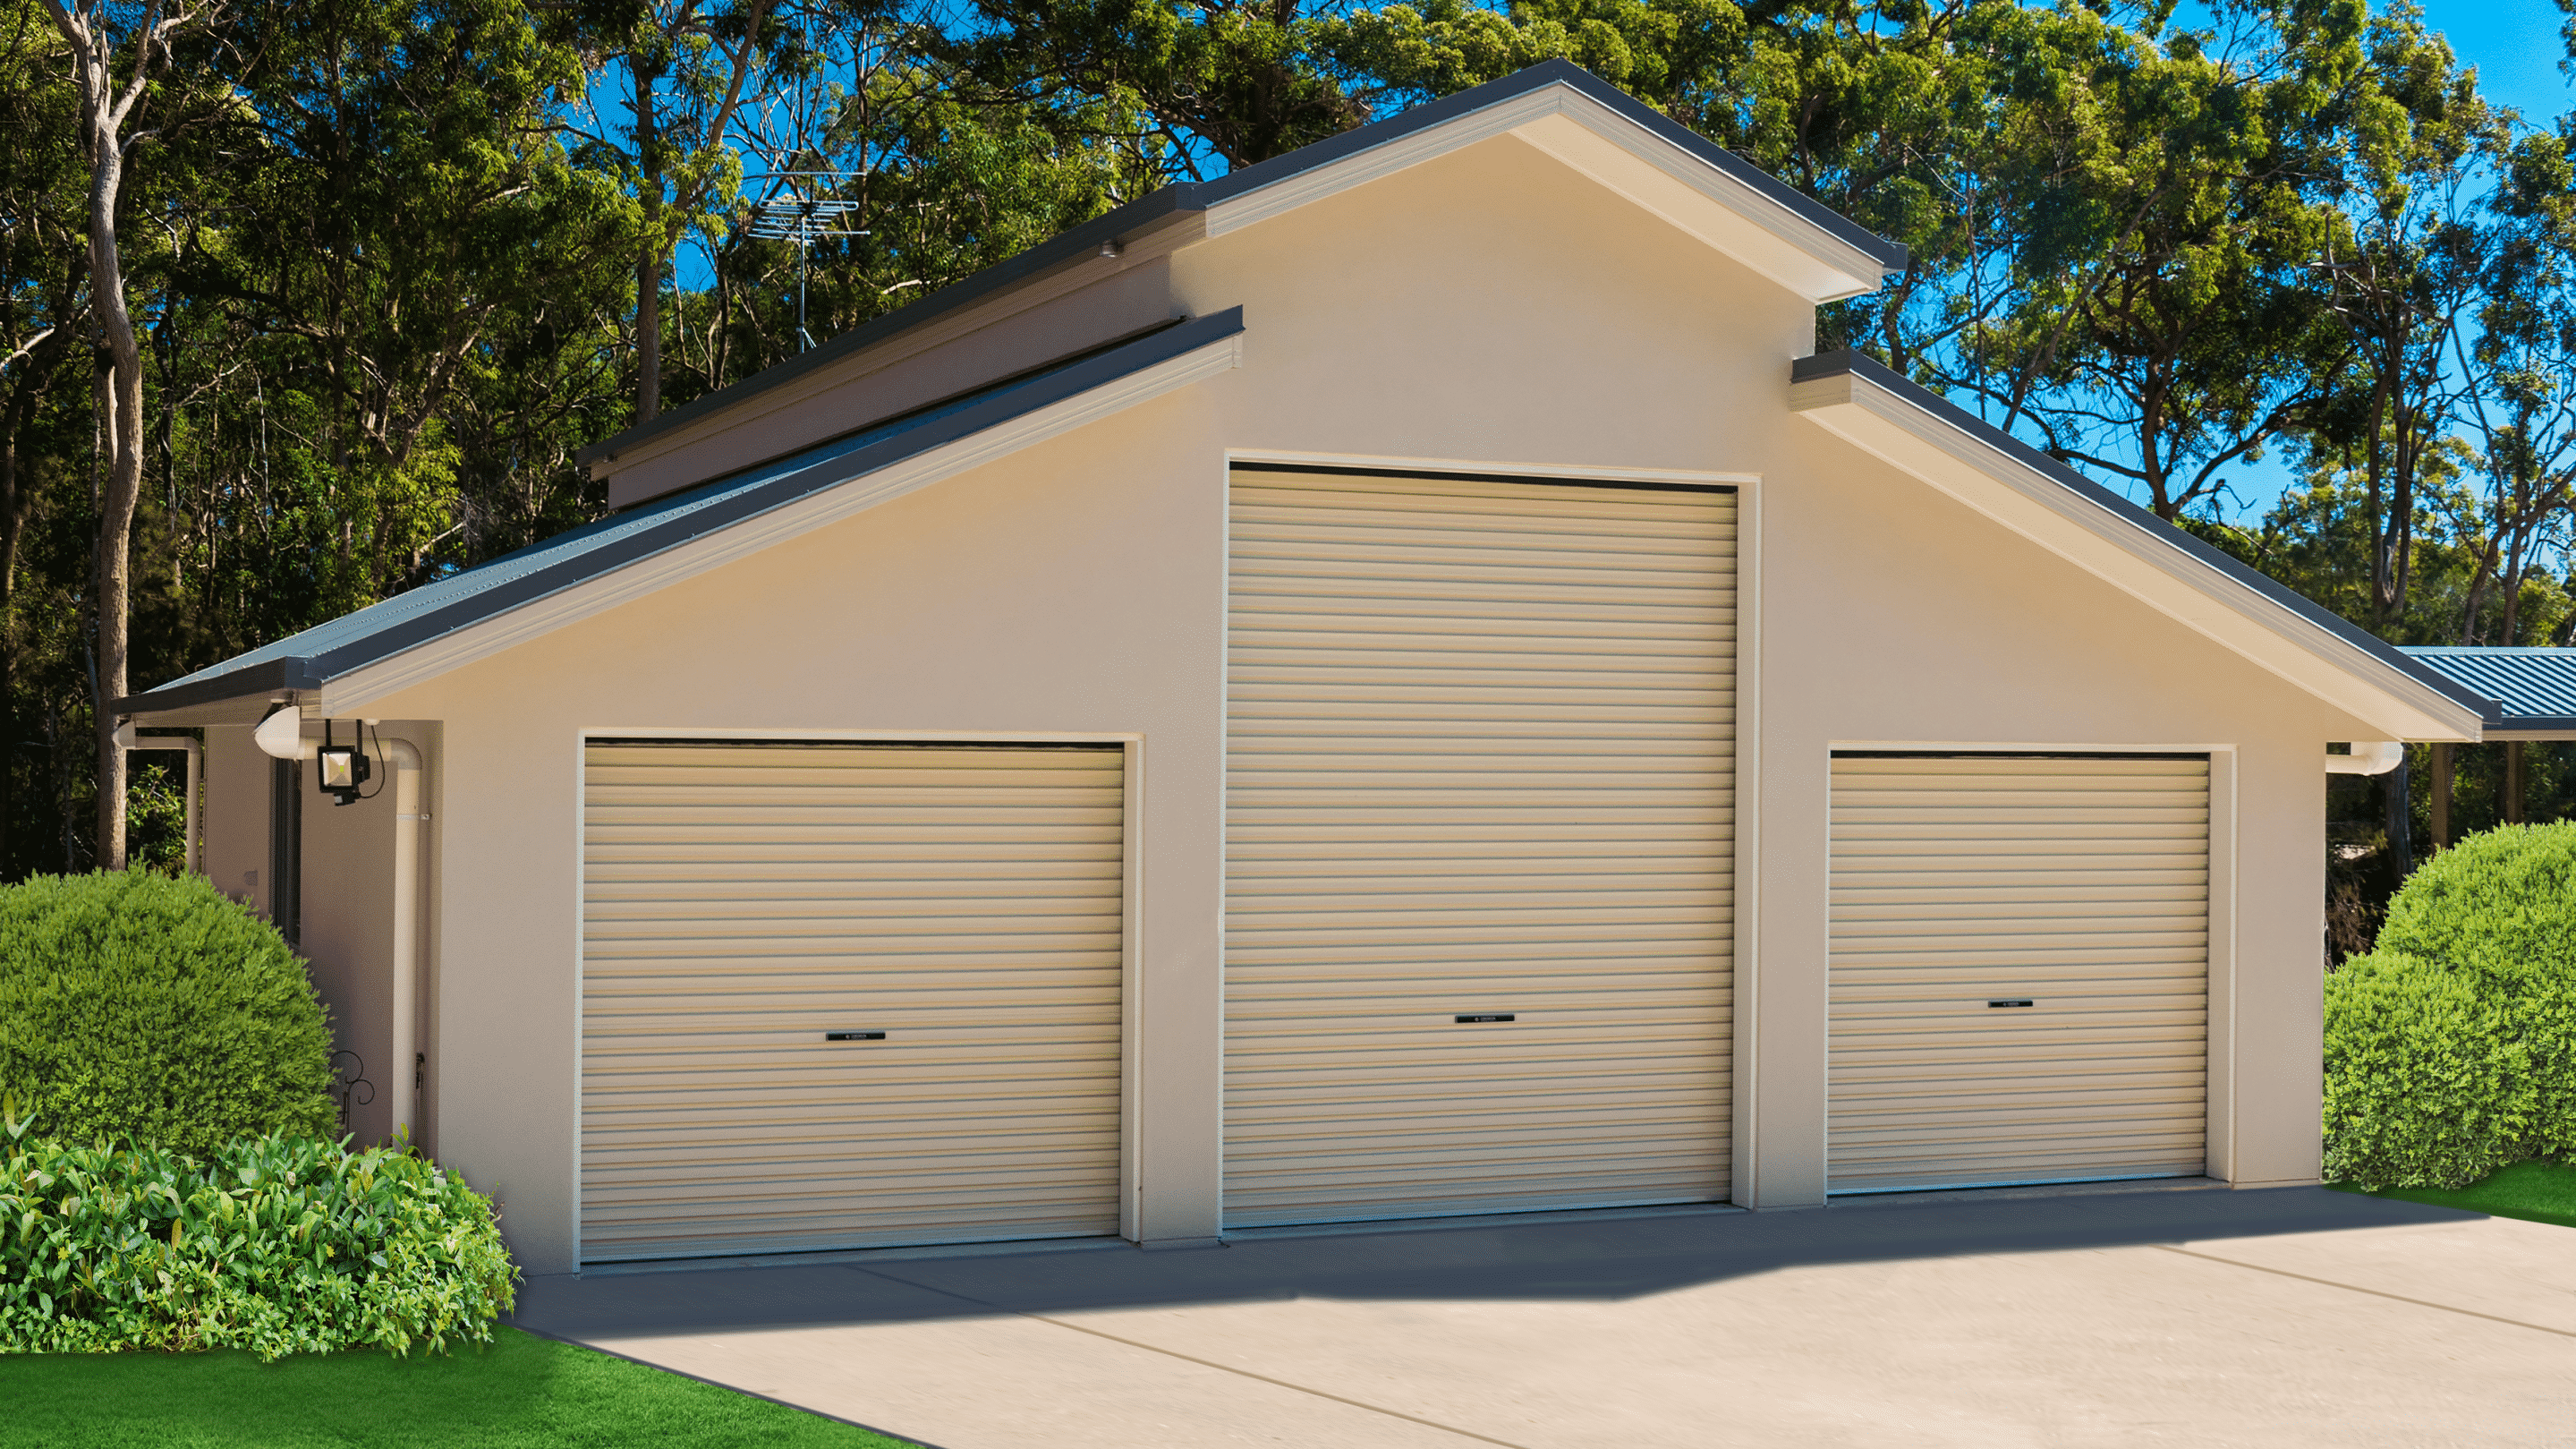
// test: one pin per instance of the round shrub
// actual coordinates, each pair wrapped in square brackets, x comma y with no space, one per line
[2451,1046]
[150,1009]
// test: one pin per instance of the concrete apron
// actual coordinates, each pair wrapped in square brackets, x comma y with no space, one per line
[2284,1317]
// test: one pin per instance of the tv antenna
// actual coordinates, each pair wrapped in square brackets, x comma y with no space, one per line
[803,220]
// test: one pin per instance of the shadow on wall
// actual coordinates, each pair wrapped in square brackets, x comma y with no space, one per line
[1575,1259]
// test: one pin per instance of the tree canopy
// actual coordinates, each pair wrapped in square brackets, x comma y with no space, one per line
[385,265]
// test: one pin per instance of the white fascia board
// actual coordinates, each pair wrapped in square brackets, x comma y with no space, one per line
[350,692]
[2203,599]
[1711,206]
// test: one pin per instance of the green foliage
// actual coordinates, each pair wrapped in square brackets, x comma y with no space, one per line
[2451,1048]
[149,1009]
[277,1245]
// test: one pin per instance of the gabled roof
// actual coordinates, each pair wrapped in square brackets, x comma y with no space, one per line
[385,646]
[2060,509]
[2531,691]
[1568,111]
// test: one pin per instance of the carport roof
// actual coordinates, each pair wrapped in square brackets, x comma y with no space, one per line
[2532,690]
[1088,384]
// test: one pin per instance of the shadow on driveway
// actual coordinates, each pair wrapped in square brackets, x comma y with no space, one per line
[1578,1258]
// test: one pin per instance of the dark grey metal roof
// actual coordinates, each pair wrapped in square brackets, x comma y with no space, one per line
[1836,364]
[2529,688]
[326,651]
[1141,214]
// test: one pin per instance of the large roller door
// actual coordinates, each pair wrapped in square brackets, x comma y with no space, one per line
[1480,804]
[744,903]
[2020,987]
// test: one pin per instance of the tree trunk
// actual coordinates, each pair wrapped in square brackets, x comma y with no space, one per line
[124,480]
[648,265]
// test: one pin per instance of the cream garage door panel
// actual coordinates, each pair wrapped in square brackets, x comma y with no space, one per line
[2078,885]
[1480,763]
[741,901]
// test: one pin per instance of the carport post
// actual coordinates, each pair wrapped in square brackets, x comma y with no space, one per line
[2441,791]
[2513,782]
[2401,817]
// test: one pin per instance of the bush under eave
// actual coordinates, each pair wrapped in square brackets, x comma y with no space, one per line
[153,1010]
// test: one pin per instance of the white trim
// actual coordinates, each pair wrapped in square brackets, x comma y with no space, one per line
[1131,889]
[1623,157]
[1535,472]
[360,687]
[1746,1072]
[2226,610]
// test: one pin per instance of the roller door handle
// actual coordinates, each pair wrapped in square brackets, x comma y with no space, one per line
[2010,1001]
[1474,1017]
[854,1036]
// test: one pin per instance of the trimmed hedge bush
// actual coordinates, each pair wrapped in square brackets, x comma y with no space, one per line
[2451,1046]
[150,1009]
[276,1245]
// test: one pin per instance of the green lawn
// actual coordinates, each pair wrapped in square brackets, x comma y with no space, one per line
[521,1391]
[2542,1192]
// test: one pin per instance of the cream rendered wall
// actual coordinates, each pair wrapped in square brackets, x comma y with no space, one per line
[1487,308]
[234,823]
[348,924]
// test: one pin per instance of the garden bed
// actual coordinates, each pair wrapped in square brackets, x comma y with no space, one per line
[521,1392]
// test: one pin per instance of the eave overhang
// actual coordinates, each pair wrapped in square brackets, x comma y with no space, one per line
[2025,491]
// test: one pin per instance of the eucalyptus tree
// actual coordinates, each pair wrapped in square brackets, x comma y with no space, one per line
[2409,150]
[116,54]
[680,72]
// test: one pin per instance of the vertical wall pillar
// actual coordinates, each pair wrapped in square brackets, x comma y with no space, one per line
[2441,792]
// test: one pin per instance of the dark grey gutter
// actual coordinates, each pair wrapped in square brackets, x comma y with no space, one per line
[687,524]
[1135,217]
[1854,364]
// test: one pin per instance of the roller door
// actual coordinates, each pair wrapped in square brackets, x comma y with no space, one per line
[2020,980]
[953,913]
[1480,804]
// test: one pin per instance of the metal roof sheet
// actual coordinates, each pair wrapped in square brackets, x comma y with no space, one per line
[405,621]
[2531,688]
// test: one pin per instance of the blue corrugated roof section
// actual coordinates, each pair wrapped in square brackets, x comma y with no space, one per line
[382,630]
[2533,687]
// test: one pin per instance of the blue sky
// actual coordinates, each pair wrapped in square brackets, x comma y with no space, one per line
[2514,45]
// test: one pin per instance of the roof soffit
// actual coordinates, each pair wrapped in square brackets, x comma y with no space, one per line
[2365,683]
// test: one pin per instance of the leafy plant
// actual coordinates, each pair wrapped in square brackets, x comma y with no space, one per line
[2451,1048]
[276,1244]
[150,1009]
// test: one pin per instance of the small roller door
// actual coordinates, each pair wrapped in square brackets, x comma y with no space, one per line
[741,903]
[2020,980]
[1480,801]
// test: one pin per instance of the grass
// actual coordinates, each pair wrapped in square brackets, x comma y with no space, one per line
[2540,1192]
[521,1391]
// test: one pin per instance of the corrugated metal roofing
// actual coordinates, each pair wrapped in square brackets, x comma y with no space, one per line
[380,631]
[2532,688]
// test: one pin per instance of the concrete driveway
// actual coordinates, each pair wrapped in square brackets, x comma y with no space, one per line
[2289,1317]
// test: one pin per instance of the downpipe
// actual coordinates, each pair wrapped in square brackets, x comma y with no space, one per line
[2368,757]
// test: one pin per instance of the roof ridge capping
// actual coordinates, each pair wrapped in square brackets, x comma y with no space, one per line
[1565,110]
[2275,627]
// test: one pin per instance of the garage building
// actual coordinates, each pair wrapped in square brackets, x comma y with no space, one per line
[1395,683]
